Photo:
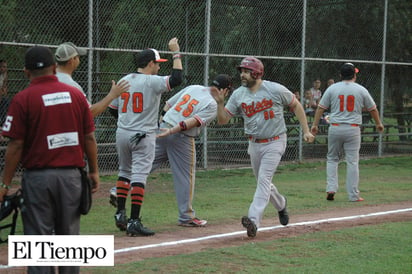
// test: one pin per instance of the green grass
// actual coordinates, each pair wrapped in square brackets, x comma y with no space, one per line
[384,248]
[225,195]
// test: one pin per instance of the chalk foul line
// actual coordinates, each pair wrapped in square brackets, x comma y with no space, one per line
[230,234]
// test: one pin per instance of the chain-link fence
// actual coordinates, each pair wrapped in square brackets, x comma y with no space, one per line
[298,41]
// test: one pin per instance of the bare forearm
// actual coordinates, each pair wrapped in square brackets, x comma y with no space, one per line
[12,159]
[222,116]
[184,125]
[375,116]
[318,114]
[101,106]
[300,114]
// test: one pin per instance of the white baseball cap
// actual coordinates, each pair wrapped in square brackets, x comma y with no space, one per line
[68,50]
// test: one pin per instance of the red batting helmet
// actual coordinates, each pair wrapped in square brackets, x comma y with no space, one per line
[254,64]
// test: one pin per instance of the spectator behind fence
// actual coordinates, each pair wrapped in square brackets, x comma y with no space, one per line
[308,103]
[330,82]
[316,92]
[50,128]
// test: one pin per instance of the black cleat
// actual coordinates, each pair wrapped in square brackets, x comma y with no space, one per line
[135,228]
[121,219]
[330,196]
[283,214]
[250,226]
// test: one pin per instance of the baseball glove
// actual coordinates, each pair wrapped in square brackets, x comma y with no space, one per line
[11,203]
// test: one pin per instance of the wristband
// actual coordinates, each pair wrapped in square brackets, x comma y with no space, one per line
[3,185]
[183,125]
[177,56]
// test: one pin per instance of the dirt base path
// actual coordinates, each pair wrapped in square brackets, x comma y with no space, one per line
[188,240]
[224,235]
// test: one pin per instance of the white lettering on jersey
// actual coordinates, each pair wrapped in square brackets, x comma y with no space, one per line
[57,98]
[7,123]
[62,140]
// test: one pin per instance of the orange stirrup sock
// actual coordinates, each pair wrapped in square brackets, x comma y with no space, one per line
[122,188]
[137,193]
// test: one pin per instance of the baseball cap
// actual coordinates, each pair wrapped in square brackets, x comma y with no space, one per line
[68,50]
[148,55]
[38,57]
[348,69]
[223,81]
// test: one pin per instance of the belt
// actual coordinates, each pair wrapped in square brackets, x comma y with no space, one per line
[44,168]
[352,125]
[263,140]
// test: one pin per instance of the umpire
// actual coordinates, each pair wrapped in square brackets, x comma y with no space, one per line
[50,128]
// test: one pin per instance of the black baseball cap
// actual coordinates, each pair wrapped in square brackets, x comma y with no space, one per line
[348,69]
[38,57]
[223,81]
[147,55]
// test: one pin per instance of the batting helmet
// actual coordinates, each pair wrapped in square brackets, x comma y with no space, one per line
[254,64]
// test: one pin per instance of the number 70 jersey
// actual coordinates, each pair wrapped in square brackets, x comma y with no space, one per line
[139,107]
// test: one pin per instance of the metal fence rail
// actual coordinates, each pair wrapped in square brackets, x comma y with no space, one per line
[297,40]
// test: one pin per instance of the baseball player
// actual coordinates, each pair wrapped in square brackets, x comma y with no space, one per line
[261,104]
[137,121]
[186,113]
[344,101]
[67,56]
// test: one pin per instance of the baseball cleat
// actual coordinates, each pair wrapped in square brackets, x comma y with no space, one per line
[283,214]
[359,200]
[113,196]
[135,228]
[330,196]
[121,219]
[195,222]
[250,226]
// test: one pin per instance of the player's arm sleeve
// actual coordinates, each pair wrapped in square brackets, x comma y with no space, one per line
[113,112]
[113,108]
[324,102]
[176,78]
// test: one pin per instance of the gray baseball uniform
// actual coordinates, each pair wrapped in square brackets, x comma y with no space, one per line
[265,126]
[138,113]
[345,101]
[193,101]
[67,79]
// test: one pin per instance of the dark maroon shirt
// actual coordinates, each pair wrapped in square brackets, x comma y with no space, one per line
[52,118]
